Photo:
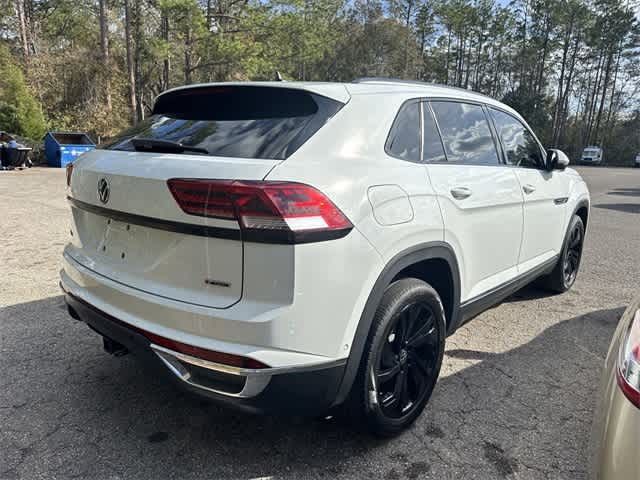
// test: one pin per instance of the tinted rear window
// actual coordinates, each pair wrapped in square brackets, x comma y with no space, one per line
[235,121]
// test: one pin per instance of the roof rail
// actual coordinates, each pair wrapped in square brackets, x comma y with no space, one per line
[412,82]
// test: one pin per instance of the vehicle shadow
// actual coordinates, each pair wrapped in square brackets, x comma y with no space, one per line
[621,207]
[530,292]
[68,409]
[625,192]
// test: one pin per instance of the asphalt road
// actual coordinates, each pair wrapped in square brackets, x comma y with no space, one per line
[515,397]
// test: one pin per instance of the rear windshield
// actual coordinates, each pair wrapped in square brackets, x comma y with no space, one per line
[234,121]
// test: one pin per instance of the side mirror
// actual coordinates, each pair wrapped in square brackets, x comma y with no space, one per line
[556,159]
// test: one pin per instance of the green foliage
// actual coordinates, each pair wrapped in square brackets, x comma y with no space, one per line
[571,67]
[532,106]
[20,112]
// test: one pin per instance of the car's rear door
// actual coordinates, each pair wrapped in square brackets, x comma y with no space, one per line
[480,199]
[545,192]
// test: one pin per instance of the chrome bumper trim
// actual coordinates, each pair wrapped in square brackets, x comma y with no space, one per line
[255,379]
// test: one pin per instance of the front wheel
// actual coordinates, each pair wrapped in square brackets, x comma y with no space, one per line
[402,358]
[565,272]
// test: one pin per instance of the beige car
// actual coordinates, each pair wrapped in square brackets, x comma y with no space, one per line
[617,421]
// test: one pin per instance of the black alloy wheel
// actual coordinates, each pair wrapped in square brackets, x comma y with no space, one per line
[573,255]
[565,272]
[402,358]
[407,361]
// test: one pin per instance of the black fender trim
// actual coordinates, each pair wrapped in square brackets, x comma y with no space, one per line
[582,203]
[418,253]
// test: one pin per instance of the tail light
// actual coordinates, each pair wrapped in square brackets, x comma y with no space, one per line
[271,212]
[629,362]
[69,171]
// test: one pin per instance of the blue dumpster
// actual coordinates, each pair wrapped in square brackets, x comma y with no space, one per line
[62,148]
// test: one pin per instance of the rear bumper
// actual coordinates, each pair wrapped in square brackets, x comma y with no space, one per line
[306,390]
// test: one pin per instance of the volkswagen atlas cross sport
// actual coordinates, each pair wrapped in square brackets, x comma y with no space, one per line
[297,247]
[616,428]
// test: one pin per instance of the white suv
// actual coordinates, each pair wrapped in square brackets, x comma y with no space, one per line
[297,247]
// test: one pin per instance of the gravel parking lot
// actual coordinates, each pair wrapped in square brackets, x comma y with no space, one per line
[515,398]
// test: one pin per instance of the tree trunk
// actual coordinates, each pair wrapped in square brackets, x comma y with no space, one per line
[476,79]
[593,99]
[31,22]
[564,109]
[407,25]
[563,66]
[446,62]
[524,41]
[605,87]
[609,123]
[187,57]
[137,60]
[166,63]
[468,64]
[104,50]
[545,48]
[22,26]
[131,78]
[459,59]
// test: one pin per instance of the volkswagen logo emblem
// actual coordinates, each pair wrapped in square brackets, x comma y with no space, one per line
[103,190]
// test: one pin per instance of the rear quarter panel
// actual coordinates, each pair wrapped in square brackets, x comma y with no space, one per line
[346,160]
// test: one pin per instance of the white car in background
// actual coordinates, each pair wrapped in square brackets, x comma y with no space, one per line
[592,156]
[301,247]
[636,163]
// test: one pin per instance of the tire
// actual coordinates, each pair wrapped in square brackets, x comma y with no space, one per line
[395,379]
[565,272]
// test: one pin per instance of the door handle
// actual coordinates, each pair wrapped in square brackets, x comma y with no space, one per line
[460,193]
[528,188]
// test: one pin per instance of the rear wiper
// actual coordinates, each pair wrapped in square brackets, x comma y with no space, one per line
[163,146]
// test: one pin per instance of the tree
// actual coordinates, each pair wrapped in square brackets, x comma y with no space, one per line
[20,112]
[571,67]
[104,50]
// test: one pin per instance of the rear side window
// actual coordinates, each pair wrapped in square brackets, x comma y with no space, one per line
[235,121]
[521,148]
[404,137]
[465,133]
[432,150]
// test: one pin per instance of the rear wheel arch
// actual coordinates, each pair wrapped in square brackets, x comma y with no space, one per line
[414,262]
[437,272]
